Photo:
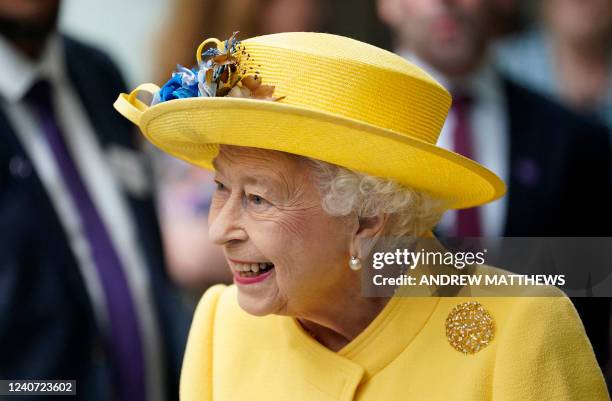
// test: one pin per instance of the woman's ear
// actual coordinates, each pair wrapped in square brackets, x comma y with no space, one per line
[367,232]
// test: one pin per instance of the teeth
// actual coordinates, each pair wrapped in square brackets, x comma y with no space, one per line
[251,267]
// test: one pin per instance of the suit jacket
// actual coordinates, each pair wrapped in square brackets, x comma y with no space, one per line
[47,325]
[560,185]
[560,167]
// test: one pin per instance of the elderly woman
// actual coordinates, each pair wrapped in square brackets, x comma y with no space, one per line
[322,146]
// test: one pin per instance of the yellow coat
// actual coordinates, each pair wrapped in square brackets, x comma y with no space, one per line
[539,352]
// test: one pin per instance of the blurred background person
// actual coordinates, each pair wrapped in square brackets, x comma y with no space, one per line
[549,157]
[567,55]
[83,293]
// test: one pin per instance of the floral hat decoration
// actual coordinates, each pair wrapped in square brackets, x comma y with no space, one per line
[218,74]
[317,95]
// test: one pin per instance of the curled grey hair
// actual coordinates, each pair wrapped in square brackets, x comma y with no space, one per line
[344,191]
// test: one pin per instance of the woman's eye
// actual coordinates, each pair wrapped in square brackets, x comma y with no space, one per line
[257,200]
[220,186]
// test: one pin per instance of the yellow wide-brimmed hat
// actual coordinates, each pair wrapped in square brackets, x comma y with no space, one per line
[318,95]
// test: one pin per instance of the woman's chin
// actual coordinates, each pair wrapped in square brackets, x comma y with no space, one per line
[255,304]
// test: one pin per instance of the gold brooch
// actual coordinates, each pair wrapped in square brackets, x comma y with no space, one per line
[469,327]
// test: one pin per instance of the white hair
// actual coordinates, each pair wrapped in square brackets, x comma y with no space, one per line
[343,191]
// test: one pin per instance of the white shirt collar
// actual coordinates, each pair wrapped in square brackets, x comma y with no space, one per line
[19,72]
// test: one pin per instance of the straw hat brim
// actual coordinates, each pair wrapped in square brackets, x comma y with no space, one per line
[191,129]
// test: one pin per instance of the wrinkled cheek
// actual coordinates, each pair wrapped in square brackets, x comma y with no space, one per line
[293,226]
[287,258]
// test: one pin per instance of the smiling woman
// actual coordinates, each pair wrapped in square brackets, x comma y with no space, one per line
[266,210]
[308,183]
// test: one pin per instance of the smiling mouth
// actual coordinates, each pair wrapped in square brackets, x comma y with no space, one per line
[251,269]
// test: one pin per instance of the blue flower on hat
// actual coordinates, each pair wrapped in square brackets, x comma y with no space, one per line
[183,84]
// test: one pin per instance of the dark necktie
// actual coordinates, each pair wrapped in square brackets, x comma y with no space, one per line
[124,337]
[468,220]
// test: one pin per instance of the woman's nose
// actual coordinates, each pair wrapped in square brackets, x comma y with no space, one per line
[225,222]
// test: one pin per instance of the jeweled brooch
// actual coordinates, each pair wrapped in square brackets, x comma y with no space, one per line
[469,327]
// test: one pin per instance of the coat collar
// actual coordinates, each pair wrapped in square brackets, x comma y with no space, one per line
[387,336]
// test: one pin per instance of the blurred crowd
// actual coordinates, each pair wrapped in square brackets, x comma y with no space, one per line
[93,289]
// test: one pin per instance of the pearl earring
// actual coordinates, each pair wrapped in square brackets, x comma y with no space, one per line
[355,263]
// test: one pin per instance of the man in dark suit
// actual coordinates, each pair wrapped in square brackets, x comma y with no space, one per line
[556,164]
[84,294]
